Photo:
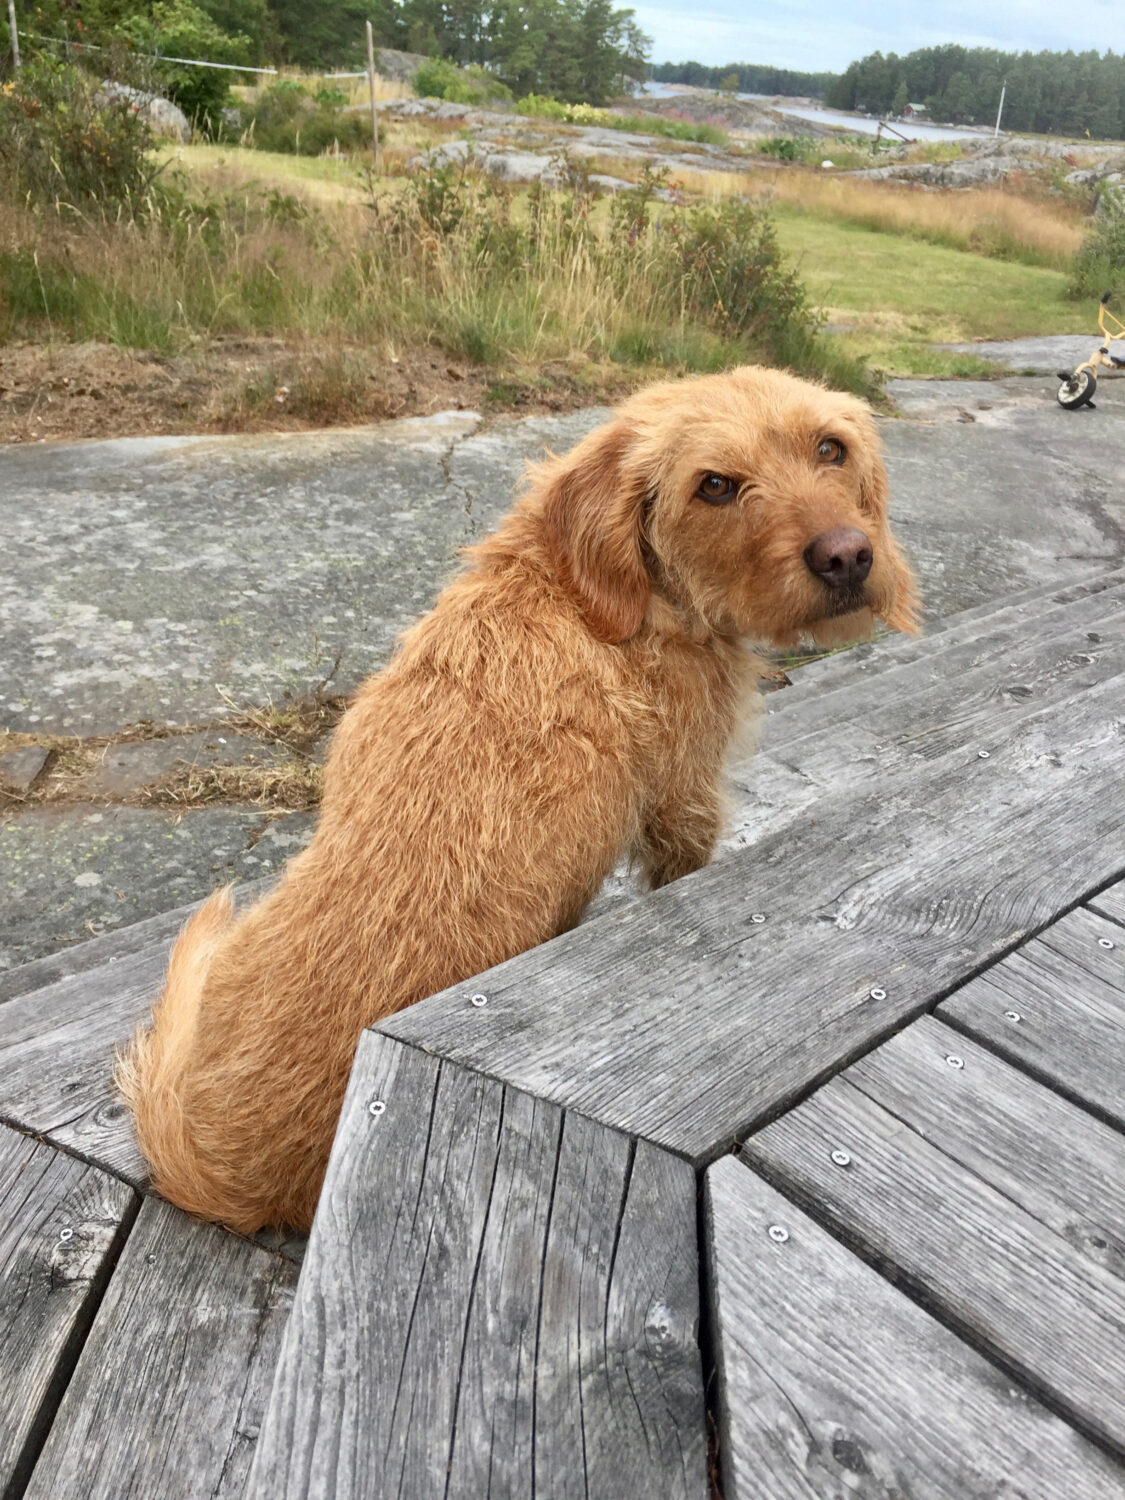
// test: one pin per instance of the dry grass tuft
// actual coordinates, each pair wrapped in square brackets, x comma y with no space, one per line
[294,785]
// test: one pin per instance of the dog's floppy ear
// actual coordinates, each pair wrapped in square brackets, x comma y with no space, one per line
[593,510]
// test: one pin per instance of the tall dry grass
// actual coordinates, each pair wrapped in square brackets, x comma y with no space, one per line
[1003,223]
[489,276]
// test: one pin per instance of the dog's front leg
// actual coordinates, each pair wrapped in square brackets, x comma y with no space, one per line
[680,836]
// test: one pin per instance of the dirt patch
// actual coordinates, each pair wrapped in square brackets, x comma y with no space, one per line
[66,392]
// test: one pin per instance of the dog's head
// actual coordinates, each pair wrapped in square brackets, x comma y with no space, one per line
[755,500]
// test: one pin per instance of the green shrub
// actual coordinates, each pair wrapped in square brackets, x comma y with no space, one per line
[64,138]
[673,130]
[1099,265]
[177,28]
[438,79]
[287,118]
[792,148]
[540,107]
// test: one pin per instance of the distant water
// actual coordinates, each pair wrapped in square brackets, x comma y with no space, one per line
[859,124]
[862,125]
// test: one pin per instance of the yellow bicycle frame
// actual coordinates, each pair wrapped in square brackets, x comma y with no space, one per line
[1101,358]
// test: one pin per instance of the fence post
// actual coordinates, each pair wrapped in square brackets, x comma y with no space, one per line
[15,34]
[371,90]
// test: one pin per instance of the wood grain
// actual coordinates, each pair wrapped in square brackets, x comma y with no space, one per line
[57,1043]
[681,1020]
[1064,1167]
[1111,902]
[167,1398]
[62,1225]
[495,1301]
[988,1266]
[832,1383]
[1069,996]
[111,946]
[863,665]
[56,1059]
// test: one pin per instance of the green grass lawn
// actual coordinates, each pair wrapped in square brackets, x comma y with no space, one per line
[900,295]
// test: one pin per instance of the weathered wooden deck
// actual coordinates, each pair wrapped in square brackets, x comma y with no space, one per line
[802,1177]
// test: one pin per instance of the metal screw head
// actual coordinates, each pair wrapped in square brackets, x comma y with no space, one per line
[758,916]
[376,1107]
[878,994]
[954,1061]
[478,1000]
[1012,1015]
[66,1234]
[778,1233]
[1105,943]
[841,1158]
[983,754]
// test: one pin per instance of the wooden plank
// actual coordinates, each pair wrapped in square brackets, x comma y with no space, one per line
[62,1225]
[991,1269]
[1057,1007]
[871,662]
[972,695]
[682,1020]
[1111,902]
[496,1300]
[79,958]
[56,1059]
[167,1398]
[1052,1158]
[57,1043]
[832,1383]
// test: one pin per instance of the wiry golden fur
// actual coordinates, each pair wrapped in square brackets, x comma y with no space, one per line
[570,698]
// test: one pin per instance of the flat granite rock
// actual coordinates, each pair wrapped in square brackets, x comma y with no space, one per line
[1047,355]
[70,874]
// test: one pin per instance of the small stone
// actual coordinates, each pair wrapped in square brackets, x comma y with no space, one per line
[20,769]
[89,878]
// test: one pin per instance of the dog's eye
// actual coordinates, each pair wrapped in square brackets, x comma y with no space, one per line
[717,488]
[830,451]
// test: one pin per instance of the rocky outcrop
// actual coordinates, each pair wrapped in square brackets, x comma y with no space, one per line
[165,119]
[510,166]
[746,117]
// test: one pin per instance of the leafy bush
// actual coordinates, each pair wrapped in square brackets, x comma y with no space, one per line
[1099,265]
[438,79]
[287,118]
[63,137]
[792,148]
[177,28]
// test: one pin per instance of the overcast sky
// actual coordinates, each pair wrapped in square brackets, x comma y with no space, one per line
[816,35]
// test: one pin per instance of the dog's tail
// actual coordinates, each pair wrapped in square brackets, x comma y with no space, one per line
[151,1071]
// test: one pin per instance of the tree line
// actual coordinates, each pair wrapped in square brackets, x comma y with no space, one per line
[745,78]
[1050,93]
[574,49]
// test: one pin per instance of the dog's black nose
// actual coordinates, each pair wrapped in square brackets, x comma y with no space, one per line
[841,558]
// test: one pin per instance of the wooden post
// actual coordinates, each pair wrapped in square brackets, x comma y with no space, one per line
[371,89]
[15,33]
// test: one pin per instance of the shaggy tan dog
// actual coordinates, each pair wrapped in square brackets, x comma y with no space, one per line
[570,698]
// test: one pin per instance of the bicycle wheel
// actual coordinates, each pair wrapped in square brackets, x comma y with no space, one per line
[1077,389]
